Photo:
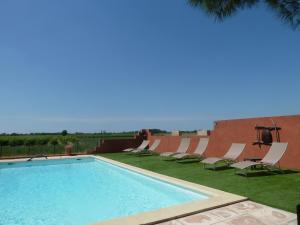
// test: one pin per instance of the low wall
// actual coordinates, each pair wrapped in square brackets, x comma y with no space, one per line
[227,132]
[117,145]
[242,131]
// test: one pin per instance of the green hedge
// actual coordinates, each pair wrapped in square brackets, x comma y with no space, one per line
[33,144]
[36,140]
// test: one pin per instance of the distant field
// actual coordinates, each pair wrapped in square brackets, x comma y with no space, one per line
[43,144]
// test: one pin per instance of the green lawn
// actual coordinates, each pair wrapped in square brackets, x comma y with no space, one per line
[279,190]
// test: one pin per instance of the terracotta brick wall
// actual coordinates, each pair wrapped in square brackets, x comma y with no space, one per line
[242,131]
[117,145]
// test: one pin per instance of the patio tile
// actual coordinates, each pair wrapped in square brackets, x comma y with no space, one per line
[243,213]
[245,220]
[205,218]
[173,222]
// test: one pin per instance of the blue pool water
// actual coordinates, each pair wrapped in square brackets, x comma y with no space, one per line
[77,192]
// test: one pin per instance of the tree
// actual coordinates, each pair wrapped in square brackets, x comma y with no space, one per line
[64,133]
[287,10]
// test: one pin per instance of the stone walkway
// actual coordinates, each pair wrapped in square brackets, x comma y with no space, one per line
[243,213]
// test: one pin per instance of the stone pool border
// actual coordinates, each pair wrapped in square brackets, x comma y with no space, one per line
[217,198]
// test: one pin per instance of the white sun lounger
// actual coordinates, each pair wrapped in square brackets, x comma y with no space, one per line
[144,144]
[272,158]
[152,148]
[200,149]
[183,147]
[233,153]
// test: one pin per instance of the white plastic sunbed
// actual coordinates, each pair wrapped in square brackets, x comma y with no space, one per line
[152,148]
[232,154]
[199,151]
[144,144]
[183,147]
[272,158]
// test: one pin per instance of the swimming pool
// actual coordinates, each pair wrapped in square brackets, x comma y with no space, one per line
[81,191]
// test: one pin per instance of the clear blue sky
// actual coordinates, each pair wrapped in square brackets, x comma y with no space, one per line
[122,65]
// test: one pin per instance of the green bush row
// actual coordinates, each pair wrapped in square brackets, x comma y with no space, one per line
[31,141]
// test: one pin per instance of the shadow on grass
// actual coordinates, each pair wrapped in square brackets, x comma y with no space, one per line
[218,168]
[261,173]
[170,159]
[188,161]
[144,155]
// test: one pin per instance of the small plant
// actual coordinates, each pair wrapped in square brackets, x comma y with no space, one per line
[42,141]
[29,142]
[54,143]
[3,142]
[14,141]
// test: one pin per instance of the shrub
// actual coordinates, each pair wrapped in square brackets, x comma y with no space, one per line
[14,141]
[42,141]
[72,139]
[54,141]
[68,140]
[4,142]
[30,141]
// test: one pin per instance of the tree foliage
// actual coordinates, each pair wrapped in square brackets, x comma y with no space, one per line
[15,141]
[4,142]
[54,141]
[30,142]
[64,133]
[287,10]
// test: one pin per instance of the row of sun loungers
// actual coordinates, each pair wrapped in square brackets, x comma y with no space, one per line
[232,154]
[273,156]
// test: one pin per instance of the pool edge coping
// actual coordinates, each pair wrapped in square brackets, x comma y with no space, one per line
[217,199]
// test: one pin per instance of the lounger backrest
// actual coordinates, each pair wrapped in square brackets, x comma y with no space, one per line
[203,142]
[234,151]
[184,145]
[144,144]
[154,145]
[275,153]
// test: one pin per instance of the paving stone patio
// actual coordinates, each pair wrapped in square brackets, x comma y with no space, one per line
[243,213]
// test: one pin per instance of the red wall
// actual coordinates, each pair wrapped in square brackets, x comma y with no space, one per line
[117,145]
[242,131]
